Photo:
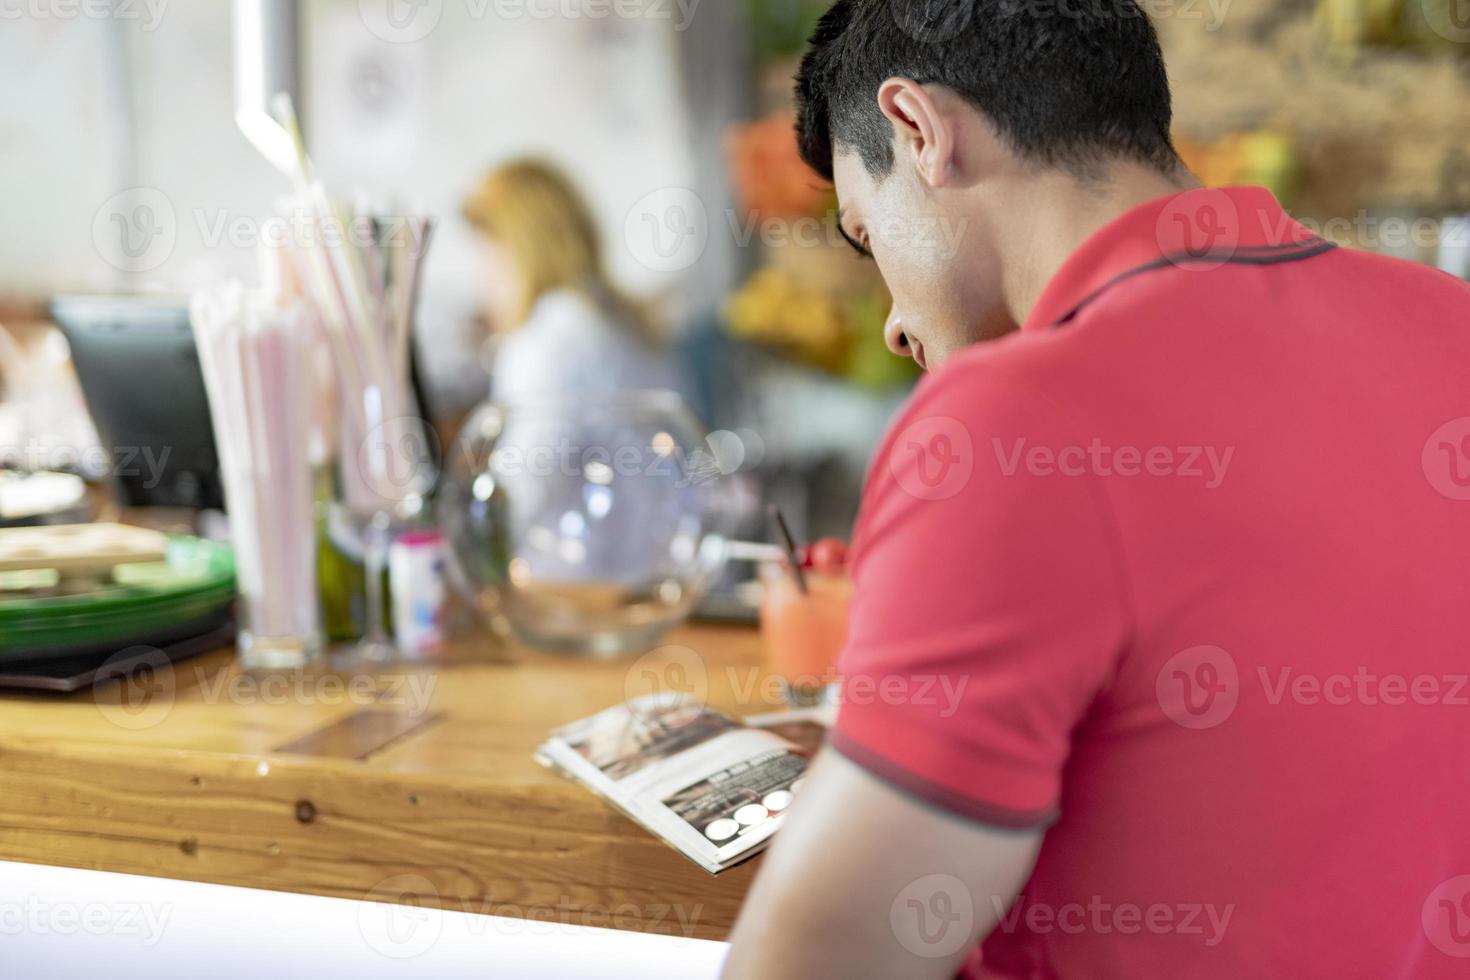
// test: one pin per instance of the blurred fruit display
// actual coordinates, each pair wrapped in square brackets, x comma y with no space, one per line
[769,174]
[776,308]
[810,298]
[1348,26]
[1264,157]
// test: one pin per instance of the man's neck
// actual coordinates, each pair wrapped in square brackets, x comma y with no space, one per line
[1062,213]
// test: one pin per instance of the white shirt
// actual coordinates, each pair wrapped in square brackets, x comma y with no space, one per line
[570,346]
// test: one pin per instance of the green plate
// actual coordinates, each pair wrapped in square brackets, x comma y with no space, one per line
[195,581]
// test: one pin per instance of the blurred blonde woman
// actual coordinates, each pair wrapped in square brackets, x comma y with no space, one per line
[559,326]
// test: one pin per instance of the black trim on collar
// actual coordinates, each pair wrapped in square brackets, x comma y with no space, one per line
[1244,255]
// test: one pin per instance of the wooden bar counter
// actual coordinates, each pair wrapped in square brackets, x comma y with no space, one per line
[415,784]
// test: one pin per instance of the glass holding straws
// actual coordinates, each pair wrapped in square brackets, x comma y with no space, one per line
[362,272]
[255,354]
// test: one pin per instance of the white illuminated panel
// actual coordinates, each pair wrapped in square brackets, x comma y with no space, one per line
[61,923]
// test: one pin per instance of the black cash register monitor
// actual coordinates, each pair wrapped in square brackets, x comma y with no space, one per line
[140,374]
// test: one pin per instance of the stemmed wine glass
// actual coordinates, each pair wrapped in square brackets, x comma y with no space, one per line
[395,473]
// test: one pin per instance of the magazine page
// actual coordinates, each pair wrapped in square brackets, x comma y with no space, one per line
[730,793]
[709,785]
[806,728]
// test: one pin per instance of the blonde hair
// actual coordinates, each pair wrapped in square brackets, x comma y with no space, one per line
[532,210]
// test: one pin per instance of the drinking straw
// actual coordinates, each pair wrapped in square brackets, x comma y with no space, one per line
[349,274]
[366,291]
[255,359]
[753,551]
[406,284]
[364,238]
[789,543]
[336,282]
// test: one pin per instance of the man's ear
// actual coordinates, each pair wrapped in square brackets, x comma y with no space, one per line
[923,134]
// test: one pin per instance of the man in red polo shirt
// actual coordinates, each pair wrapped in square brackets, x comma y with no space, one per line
[1161,632]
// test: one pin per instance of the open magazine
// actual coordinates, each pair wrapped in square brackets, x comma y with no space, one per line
[713,787]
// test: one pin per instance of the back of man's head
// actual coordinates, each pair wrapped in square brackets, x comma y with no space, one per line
[1067,83]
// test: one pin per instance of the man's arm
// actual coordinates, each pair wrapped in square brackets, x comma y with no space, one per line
[866,881]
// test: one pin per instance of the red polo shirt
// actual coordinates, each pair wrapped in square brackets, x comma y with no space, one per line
[1181,572]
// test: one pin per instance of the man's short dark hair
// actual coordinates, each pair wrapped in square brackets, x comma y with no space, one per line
[1068,83]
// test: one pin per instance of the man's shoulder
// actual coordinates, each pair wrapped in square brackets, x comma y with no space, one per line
[1020,372]
[1081,366]
[982,398]
[1394,272]
[1164,296]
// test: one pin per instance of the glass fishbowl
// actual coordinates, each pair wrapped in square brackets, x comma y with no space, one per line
[586,526]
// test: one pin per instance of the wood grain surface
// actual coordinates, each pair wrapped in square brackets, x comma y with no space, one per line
[197,771]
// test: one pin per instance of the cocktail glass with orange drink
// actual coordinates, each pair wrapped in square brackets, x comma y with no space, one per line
[804,620]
